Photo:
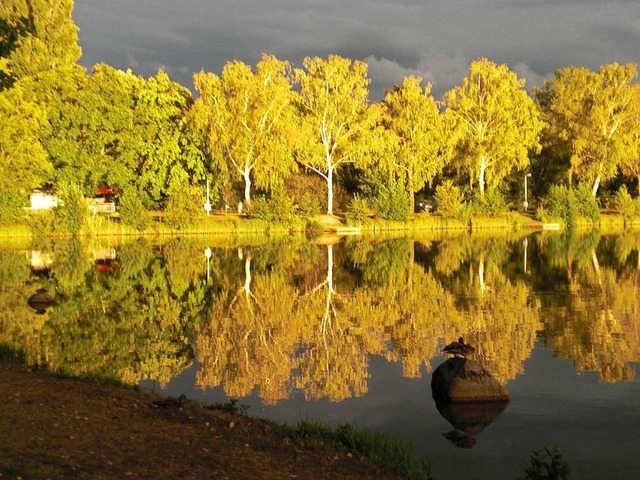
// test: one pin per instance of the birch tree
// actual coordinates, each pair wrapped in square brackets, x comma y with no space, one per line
[338,121]
[245,117]
[595,115]
[494,123]
[413,118]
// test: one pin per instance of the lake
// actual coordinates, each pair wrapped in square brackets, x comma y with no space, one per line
[349,330]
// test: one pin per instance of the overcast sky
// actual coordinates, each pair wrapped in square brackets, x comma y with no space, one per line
[436,39]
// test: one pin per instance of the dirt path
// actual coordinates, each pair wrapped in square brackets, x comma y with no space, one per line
[60,428]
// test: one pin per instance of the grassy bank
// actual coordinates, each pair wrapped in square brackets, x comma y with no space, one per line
[239,226]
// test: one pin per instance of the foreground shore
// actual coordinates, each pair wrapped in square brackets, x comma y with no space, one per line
[61,428]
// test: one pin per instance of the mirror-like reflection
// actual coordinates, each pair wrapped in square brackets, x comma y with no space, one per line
[294,316]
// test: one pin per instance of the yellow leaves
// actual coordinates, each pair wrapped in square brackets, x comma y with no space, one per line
[247,117]
[594,112]
[416,133]
[494,121]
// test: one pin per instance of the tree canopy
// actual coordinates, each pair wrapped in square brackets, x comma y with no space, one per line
[494,123]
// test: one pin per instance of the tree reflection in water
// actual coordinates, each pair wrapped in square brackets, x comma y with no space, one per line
[297,316]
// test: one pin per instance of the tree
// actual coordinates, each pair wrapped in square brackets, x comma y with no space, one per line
[338,121]
[245,118]
[494,123]
[36,36]
[631,163]
[169,153]
[593,112]
[413,118]
[24,164]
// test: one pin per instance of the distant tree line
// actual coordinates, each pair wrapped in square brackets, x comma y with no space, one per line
[309,138]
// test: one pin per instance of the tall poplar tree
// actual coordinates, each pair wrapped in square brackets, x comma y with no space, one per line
[494,123]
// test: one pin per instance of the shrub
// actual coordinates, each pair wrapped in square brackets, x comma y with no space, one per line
[392,203]
[43,222]
[358,208]
[184,206]
[627,206]
[308,205]
[279,207]
[568,205]
[585,203]
[449,200]
[559,204]
[132,211]
[73,210]
[491,204]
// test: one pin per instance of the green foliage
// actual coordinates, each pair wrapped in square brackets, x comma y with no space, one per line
[308,205]
[547,464]
[585,202]
[558,204]
[184,207]
[625,204]
[43,222]
[37,36]
[24,163]
[571,204]
[278,207]
[392,203]
[12,207]
[358,208]
[491,204]
[450,200]
[132,211]
[72,210]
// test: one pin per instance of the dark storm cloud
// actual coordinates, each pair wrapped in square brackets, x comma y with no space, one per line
[433,38]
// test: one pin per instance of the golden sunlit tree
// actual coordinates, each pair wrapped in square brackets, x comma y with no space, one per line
[417,129]
[246,117]
[338,121]
[593,112]
[494,123]
[631,163]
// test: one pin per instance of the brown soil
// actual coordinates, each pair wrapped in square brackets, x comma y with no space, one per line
[61,428]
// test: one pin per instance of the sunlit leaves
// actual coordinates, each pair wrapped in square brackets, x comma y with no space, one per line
[593,112]
[494,123]
[246,118]
[417,136]
[23,160]
[338,123]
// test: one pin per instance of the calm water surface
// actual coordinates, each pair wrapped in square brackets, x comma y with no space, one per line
[350,331]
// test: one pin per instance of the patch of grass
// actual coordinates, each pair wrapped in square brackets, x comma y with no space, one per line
[231,406]
[395,455]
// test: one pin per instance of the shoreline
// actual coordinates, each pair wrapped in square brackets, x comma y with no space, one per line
[59,427]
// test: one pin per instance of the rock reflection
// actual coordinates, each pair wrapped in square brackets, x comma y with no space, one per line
[468,397]
[293,316]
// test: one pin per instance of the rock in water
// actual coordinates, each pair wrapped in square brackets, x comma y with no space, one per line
[464,380]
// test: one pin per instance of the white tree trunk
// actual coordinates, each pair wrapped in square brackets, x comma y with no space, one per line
[481,181]
[596,184]
[247,185]
[330,189]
